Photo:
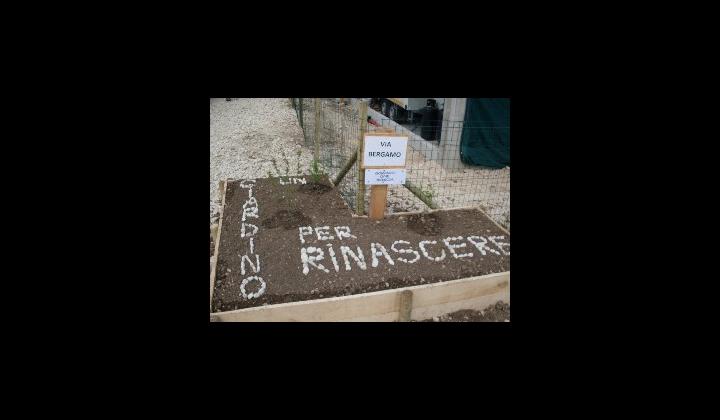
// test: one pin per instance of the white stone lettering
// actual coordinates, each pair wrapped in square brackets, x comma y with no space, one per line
[252,295]
[255,268]
[453,247]
[499,244]
[249,212]
[322,235]
[248,183]
[359,258]
[292,180]
[481,244]
[382,252]
[344,232]
[243,233]
[304,230]
[405,251]
[456,246]
[309,260]
[425,253]
[250,209]
[332,257]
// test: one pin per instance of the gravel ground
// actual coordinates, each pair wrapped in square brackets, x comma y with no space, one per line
[246,135]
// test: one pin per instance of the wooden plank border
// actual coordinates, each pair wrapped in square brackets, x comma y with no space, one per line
[428,300]
[221,190]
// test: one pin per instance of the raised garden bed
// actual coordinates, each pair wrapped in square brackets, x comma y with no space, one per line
[290,249]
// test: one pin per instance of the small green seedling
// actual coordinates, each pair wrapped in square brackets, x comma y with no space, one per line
[315,171]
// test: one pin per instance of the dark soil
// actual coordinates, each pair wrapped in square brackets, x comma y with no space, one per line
[500,312]
[282,209]
[313,188]
[424,224]
[288,219]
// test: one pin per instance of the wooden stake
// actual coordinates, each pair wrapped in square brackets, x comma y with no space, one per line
[300,115]
[378,201]
[405,306]
[345,168]
[419,194]
[316,154]
[360,199]
[378,193]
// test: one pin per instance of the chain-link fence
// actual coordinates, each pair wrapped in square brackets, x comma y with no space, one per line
[436,177]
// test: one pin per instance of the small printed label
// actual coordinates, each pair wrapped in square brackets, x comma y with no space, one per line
[384,176]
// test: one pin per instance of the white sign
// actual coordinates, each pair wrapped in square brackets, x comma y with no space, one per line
[382,150]
[384,176]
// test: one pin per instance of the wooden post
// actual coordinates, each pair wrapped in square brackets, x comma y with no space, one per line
[419,194]
[360,199]
[405,306]
[378,201]
[345,168]
[316,154]
[378,193]
[341,116]
[300,113]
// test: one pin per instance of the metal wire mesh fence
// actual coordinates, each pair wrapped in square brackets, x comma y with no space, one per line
[436,177]
[336,126]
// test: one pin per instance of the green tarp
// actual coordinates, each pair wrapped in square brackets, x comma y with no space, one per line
[485,139]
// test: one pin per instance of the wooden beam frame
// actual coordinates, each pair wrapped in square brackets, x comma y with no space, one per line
[427,301]
[221,191]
